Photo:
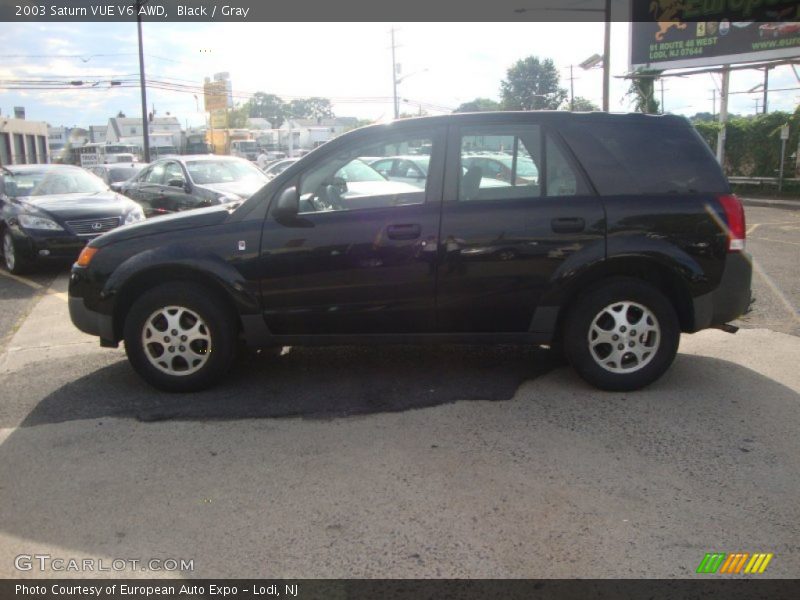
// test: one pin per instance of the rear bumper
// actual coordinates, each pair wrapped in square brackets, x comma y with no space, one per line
[731,299]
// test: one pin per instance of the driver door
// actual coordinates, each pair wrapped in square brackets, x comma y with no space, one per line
[361,255]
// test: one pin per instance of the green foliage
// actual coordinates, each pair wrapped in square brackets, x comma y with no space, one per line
[753,143]
[479,105]
[310,108]
[531,84]
[642,92]
[580,104]
[269,107]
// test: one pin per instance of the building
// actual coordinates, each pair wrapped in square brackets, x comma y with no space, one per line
[165,133]
[97,134]
[23,142]
[307,134]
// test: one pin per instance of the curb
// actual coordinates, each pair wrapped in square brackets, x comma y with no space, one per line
[770,203]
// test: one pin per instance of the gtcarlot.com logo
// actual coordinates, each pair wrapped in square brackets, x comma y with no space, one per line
[45,562]
[735,563]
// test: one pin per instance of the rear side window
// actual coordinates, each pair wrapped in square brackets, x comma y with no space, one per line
[645,157]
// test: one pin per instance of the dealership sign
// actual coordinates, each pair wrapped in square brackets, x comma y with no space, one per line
[667,34]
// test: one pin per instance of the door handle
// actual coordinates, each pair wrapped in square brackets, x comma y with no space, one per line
[404,232]
[568,225]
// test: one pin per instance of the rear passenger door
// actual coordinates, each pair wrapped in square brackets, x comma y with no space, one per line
[508,233]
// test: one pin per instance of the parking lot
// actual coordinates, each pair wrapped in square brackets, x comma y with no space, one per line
[453,461]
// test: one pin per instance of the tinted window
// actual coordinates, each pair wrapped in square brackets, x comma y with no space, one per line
[644,155]
[345,181]
[498,163]
[561,177]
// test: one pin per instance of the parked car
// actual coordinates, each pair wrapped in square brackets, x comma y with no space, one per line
[277,167]
[117,173]
[51,211]
[628,237]
[186,182]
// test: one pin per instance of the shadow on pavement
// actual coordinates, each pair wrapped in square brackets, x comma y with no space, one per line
[309,382]
[706,457]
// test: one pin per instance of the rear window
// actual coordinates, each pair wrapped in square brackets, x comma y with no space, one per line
[662,156]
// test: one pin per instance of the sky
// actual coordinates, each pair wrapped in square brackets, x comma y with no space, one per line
[445,64]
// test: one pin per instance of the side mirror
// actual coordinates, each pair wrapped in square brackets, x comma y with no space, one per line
[176,183]
[287,205]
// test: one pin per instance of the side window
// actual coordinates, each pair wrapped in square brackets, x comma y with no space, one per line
[500,163]
[173,172]
[156,173]
[561,177]
[349,180]
[384,167]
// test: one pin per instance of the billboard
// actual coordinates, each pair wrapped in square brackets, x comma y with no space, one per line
[669,34]
[215,95]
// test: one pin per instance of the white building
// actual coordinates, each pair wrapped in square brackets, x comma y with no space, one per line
[164,133]
[23,142]
[307,134]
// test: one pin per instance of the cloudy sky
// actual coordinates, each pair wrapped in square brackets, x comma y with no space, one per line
[446,64]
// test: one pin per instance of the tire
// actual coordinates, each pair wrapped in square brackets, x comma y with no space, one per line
[617,308]
[205,325]
[13,260]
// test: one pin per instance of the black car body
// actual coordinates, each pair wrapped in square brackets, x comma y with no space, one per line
[116,174]
[185,182]
[51,212]
[627,236]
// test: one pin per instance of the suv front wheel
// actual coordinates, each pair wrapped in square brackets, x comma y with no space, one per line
[180,338]
[622,335]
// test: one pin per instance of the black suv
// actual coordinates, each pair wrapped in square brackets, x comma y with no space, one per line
[607,235]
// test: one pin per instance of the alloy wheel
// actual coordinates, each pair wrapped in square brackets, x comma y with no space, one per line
[176,340]
[8,252]
[624,337]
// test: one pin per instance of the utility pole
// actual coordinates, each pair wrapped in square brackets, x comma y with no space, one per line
[714,103]
[571,90]
[145,130]
[607,56]
[661,81]
[394,80]
[723,115]
[766,86]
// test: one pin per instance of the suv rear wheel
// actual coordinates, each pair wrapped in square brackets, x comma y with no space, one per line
[180,338]
[622,335]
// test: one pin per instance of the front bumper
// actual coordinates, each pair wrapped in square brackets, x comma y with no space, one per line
[57,245]
[733,295]
[91,322]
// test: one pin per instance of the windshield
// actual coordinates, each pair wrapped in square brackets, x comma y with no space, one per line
[358,170]
[223,171]
[247,146]
[49,182]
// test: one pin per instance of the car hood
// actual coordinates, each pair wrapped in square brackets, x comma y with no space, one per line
[243,189]
[79,206]
[188,219]
[377,188]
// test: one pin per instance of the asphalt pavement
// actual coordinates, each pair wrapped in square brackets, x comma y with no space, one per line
[455,461]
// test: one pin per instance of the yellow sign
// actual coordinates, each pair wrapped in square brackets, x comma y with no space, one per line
[219,119]
[215,95]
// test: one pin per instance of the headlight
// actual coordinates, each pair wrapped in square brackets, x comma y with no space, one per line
[34,222]
[134,216]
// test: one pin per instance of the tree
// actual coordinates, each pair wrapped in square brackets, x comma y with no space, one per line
[269,107]
[478,105]
[642,90]
[237,117]
[310,108]
[120,115]
[531,84]
[581,104]
[702,117]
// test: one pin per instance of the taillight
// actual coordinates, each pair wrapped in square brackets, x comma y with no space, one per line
[734,214]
